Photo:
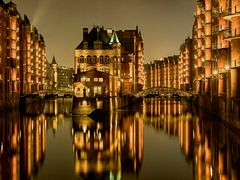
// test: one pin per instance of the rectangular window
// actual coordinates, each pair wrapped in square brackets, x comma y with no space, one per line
[82,79]
[95,79]
[87,79]
[100,79]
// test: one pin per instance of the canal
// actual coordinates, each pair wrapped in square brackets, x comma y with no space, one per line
[159,139]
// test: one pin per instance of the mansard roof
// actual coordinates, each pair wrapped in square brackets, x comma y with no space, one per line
[96,34]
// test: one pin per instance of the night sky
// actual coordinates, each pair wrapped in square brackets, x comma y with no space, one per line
[164,23]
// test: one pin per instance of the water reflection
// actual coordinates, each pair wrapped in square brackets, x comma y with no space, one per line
[211,148]
[119,145]
[23,147]
[108,147]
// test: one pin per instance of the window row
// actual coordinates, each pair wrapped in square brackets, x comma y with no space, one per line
[94,59]
[84,79]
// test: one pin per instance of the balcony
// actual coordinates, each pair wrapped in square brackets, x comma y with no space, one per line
[229,13]
[235,63]
[227,35]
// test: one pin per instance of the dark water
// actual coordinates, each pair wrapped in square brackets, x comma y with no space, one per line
[162,139]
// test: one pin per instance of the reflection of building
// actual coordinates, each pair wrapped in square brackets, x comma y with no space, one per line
[162,73]
[103,147]
[119,54]
[210,147]
[22,145]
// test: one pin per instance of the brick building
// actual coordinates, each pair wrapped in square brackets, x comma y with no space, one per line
[22,55]
[116,53]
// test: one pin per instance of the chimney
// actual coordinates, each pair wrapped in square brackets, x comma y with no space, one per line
[85,34]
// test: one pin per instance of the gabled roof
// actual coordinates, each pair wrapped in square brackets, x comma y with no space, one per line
[93,70]
[96,34]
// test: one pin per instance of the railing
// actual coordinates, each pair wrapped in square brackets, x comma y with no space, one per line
[235,63]
[232,11]
[227,34]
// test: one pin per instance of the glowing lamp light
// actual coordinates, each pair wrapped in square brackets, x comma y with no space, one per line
[227,67]
[211,171]
[1,147]
[215,72]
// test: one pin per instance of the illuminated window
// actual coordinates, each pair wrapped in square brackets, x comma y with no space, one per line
[81,59]
[95,79]
[87,79]
[97,90]
[106,60]
[101,59]
[89,59]
[94,60]
[100,79]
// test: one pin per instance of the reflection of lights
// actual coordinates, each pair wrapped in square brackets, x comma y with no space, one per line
[99,135]
[84,129]
[45,124]
[211,171]
[227,67]
[40,129]
[88,134]
[1,147]
[119,175]
[84,103]
[215,72]
[193,134]
[196,159]
[32,126]
[111,176]
[72,131]
[20,135]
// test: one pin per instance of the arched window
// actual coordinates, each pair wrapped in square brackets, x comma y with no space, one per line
[101,59]
[106,60]
[82,59]
[89,59]
[94,60]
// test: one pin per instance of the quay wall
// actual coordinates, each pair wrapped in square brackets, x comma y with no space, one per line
[227,110]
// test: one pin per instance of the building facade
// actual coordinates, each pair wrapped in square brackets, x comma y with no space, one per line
[22,55]
[162,73]
[186,65]
[216,49]
[65,78]
[119,54]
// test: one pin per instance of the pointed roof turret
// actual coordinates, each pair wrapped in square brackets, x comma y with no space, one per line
[140,35]
[54,60]
[114,39]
